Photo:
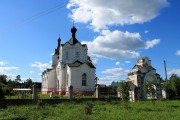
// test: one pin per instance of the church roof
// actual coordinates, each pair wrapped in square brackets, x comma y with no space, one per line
[77,63]
[73,41]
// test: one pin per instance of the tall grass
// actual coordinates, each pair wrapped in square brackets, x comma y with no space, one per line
[162,110]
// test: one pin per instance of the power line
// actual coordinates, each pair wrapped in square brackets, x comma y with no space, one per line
[175,63]
[45,12]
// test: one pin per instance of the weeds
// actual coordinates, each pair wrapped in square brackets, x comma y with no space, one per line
[88,108]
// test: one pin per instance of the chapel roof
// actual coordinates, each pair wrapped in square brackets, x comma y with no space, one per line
[77,63]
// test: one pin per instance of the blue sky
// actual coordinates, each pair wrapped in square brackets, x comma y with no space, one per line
[117,32]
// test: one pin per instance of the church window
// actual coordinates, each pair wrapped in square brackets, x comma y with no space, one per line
[66,56]
[67,79]
[77,55]
[84,77]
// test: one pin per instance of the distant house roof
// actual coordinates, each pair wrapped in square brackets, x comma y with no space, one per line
[102,85]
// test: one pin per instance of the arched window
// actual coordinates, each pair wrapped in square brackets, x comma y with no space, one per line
[67,80]
[84,77]
[77,55]
[66,56]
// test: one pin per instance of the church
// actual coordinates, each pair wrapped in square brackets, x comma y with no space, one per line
[71,66]
[142,72]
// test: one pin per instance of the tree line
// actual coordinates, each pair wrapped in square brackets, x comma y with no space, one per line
[7,85]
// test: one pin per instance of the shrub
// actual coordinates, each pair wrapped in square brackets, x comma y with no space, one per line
[88,108]
[1,93]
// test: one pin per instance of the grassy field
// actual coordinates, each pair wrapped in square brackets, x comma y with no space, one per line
[101,110]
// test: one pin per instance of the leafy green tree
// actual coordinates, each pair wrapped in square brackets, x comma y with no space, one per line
[124,88]
[3,79]
[150,89]
[1,92]
[28,83]
[175,84]
[18,78]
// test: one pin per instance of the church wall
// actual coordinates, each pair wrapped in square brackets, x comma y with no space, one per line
[54,60]
[133,78]
[49,82]
[71,51]
[76,78]
[62,80]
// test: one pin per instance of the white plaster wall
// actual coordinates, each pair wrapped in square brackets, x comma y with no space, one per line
[54,61]
[52,80]
[72,49]
[134,79]
[76,78]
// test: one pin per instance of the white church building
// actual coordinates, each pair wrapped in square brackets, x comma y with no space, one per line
[71,66]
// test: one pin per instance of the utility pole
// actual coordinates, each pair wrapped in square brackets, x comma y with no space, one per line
[167,94]
[165,70]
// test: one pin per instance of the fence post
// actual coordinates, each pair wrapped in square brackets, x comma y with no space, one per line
[97,91]
[70,95]
[35,93]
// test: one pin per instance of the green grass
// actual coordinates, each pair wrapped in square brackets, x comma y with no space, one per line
[29,96]
[116,110]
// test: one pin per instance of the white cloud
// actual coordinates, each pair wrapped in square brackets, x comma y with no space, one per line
[116,71]
[94,61]
[152,43]
[3,63]
[146,31]
[127,62]
[100,14]
[178,52]
[113,74]
[117,44]
[11,76]
[4,69]
[41,66]
[32,72]
[173,71]
[118,63]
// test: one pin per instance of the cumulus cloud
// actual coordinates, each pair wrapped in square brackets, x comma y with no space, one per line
[94,61]
[173,71]
[100,14]
[3,63]
[113,74]
[118,63]
[4,69]
[41,66]
[116,71]
[32,72]
[127,62]
[117,44]
[152,43]
[178,52]
[146,31]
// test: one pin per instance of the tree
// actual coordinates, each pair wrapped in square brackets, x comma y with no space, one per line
[18,78]
[3,79]
[1,92]
[175,84]
[124,87]
[28,83]
[150,89]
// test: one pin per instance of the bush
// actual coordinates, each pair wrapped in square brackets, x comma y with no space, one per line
[1,93]
[88,108]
